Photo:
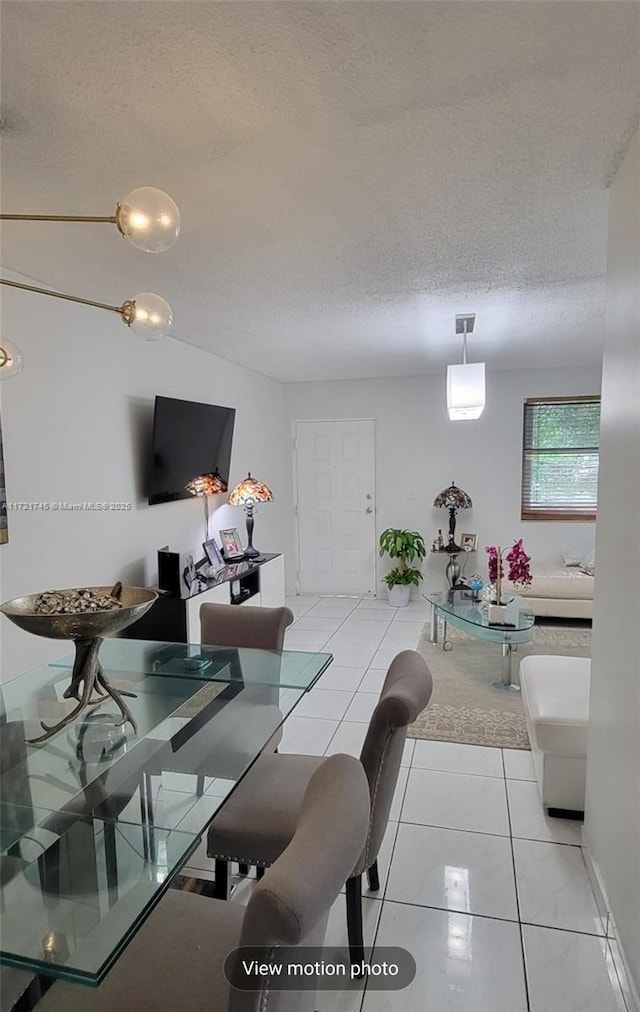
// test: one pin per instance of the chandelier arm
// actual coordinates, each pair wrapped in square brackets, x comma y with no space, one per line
[58,217]
[69,298]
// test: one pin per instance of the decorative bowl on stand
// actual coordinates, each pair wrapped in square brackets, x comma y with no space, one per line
[87,629]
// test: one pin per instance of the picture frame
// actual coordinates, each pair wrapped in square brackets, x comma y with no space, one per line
[214,556]
[188,573]
[469,542]
[231,544]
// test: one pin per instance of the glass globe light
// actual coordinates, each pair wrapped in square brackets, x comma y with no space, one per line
[11,360]
[149,219]
[148,315]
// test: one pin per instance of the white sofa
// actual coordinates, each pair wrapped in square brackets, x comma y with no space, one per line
[558,591]
[555,696]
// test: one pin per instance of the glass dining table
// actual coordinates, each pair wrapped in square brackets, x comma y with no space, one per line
[96,822]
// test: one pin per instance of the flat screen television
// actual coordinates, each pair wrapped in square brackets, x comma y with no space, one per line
[189,439]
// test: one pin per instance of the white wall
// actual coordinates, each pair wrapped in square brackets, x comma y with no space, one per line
[612,824]
[419,452]
[76,426]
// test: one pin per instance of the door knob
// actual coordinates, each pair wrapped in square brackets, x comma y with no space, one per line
[369,509]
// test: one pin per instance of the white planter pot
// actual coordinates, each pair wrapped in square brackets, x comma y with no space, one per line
[399,595]
[497,613]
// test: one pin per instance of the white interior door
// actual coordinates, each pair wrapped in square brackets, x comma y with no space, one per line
[336,507]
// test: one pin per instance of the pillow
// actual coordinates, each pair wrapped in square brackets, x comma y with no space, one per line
[572,559]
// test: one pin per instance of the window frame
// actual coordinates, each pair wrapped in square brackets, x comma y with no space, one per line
[574,515]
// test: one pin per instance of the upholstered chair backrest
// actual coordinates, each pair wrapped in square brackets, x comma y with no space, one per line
[405,693]
[232,625]
[290,905]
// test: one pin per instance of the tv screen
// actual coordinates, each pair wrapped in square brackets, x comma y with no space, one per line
[189,439]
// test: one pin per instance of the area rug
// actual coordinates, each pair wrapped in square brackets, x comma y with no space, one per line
[465,707]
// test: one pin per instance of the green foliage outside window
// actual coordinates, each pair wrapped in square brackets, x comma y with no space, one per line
[560,458]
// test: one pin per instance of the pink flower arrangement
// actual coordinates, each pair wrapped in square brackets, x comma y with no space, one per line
[518,571]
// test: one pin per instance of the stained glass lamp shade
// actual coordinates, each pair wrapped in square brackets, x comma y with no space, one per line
[452,499]
[248,493]
[205,485]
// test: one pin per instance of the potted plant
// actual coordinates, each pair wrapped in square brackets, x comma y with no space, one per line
[405,546]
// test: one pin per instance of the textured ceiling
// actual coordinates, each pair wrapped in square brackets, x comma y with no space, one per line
[350,175]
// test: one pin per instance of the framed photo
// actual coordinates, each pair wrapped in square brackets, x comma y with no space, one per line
[188,570]
[231,544]
[469,542]
[213,555]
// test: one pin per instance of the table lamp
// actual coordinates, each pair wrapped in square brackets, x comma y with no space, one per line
[248,493]
[205,485]
[452,499]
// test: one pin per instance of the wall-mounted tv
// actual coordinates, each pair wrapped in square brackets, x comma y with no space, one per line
[189,439]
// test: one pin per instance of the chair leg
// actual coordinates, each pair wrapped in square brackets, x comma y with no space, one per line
[221,885]
[243,869]
[259,872]
[354,919]
[373,878]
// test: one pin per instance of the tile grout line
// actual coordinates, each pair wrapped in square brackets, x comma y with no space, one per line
[515,886]
[431,769]
[395,839]
[366,669]
[487,917]
[383,900]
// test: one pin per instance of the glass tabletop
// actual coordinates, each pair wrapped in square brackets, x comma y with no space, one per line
[96,820]
[472,617]
[293,669]
[75,889]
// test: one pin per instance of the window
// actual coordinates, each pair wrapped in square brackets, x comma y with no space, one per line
[560,451]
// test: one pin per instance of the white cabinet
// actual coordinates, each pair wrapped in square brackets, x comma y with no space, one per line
[272,583]
[255,601]
[216,595]
[177,619]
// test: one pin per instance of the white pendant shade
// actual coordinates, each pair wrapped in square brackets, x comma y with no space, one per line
[465,391]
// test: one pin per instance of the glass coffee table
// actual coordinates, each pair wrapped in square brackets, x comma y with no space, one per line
[471,617]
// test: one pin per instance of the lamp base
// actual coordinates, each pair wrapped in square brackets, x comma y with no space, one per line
[251,552]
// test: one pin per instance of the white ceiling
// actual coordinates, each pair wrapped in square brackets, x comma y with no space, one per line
[350,175]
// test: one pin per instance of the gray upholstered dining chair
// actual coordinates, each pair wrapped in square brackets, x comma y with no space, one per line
[260,817]
[177,958]
[233,625]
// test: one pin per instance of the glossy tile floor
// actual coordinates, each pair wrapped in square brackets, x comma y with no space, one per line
[489,894]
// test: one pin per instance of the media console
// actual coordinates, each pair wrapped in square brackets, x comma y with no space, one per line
[174,619]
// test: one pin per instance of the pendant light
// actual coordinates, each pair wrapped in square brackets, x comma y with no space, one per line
[465,382]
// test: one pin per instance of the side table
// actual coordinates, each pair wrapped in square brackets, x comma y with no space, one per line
[452,570]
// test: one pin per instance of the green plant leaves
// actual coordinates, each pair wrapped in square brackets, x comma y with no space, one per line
[402,577]
[400,544]
[404,546]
